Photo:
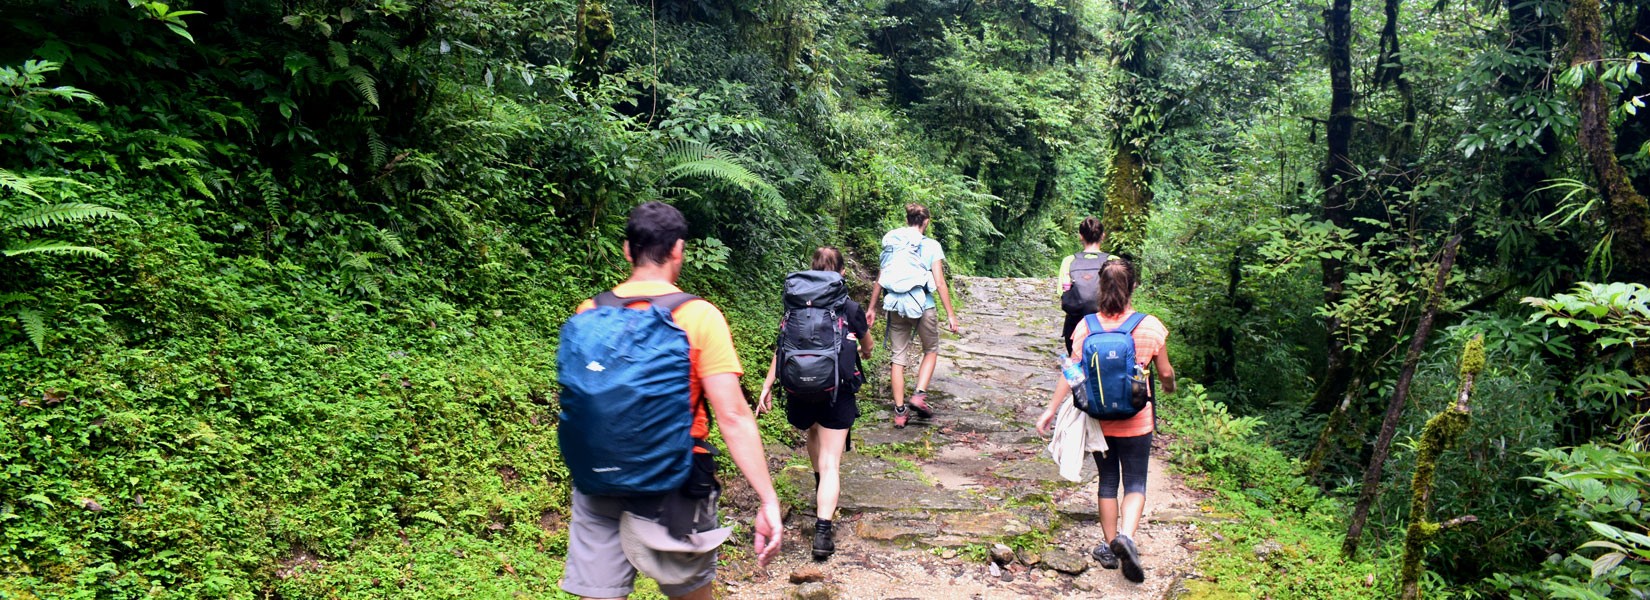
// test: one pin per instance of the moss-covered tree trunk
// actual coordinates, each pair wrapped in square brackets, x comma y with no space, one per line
[1128,197]
[1128,187]
[1395,407]
[595,34]
[1439,434]
[1628,212]
[1635,131]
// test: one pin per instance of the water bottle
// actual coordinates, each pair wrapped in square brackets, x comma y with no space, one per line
[1073,372]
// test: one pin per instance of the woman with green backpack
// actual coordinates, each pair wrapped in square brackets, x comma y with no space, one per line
[825,416]
[1116,393]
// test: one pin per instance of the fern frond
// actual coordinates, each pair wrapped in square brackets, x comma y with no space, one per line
[364,84]
[35,326]
[340,55]
[217,119]
[60,214]
[361,261]
[697,159]
[52,247]
[271,193]
[168,142]
[9,298]
[727,172]
[391,242]
[24,184]
[380,151]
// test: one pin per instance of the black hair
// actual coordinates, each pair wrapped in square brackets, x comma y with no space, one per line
[653,231]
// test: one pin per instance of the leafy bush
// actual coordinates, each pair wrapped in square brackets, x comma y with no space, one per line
[1279,537]
[1598,493]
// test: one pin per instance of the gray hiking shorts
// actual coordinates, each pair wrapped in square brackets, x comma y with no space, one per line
[607,545]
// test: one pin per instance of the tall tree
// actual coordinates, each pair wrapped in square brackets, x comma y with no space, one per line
[1628,213]
[1337,170]
[1128,190]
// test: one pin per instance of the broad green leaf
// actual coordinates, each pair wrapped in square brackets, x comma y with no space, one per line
[1604,564]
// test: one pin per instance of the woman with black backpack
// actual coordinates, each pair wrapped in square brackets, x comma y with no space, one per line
[826,416]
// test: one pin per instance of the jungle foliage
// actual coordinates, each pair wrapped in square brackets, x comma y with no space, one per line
[279,281]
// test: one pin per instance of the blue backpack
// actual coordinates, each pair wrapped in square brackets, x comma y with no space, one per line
[626,404]
[1116,384]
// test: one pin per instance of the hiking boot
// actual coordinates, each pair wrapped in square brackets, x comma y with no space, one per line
[900,417]
[1103,554]
[1123,547]
[919,403]
[824,541]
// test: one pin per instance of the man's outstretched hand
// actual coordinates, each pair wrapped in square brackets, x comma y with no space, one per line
[768,529]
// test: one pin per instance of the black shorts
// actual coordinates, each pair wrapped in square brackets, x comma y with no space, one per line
[804,414]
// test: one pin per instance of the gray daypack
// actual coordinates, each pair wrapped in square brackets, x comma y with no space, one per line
[1084,296]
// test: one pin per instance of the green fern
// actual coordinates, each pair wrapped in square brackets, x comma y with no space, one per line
[364,84]
[379,150]
[689,159]
[23,184]
[340,55]
[52,247]
[271,193]
[35,326]
[391,242]
[60,214]
[431,516]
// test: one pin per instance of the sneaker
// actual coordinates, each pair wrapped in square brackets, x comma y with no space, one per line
[919,403]
[1123,547]
[824,541]
[1103,554]
[900,417]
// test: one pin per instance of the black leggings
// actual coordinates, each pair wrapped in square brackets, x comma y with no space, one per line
[1132,455]
[1069,328]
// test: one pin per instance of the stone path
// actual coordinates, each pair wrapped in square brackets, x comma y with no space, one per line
[922,506]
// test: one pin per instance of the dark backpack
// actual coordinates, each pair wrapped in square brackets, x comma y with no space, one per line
[626,401]
[1084,295]
[810,335]
[1116,385]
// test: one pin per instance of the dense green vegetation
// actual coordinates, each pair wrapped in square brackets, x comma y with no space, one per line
[280,281]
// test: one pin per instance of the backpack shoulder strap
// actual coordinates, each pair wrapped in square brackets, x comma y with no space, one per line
[1092,322]
[671,302]
[668,302]
[610,299]
[1132,322]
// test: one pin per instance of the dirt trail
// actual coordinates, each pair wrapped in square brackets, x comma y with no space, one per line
[920,505]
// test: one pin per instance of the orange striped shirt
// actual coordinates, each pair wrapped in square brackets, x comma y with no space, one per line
[1150,337]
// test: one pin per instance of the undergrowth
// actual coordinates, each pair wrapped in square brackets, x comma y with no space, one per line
[1271,533]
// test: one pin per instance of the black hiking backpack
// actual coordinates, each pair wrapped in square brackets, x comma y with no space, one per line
[1084,296]
[810,335]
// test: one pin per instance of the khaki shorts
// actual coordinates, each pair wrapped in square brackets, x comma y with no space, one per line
[901,330]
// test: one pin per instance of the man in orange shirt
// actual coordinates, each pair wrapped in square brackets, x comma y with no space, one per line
[606,546]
